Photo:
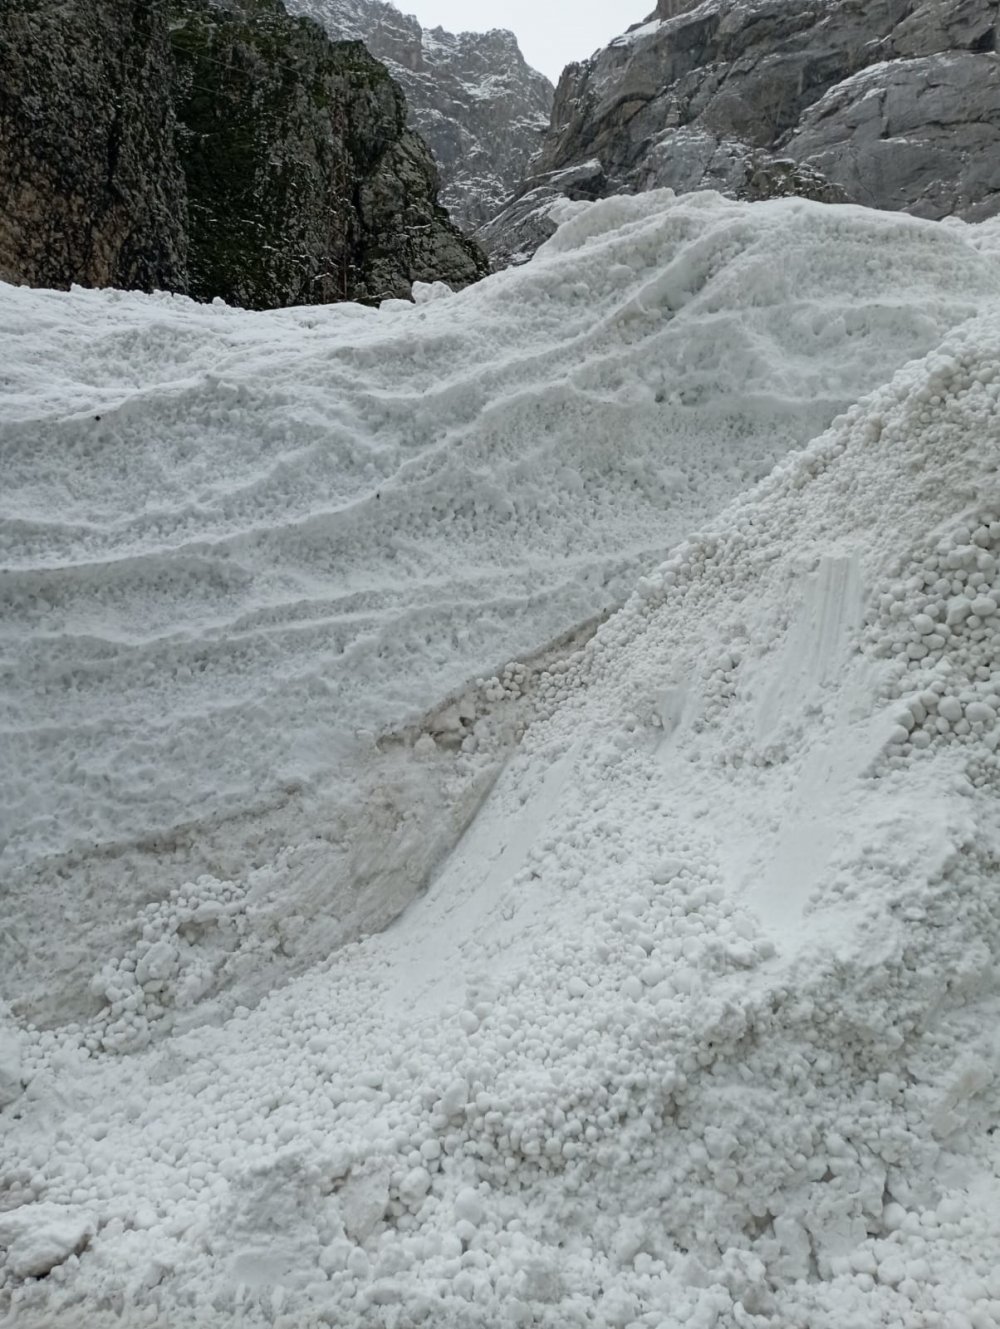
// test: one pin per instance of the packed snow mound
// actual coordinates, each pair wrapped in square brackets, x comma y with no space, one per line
[238,550]
[697,1026]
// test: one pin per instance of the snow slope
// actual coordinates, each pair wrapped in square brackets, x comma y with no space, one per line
[239,549]
[695,1025]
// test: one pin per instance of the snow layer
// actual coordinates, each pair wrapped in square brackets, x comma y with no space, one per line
[239,549]
[696,1025]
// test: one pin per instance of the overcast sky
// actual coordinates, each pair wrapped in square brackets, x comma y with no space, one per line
[551,33]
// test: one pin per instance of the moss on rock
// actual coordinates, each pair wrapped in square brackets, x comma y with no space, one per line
[220,149]
[304,185]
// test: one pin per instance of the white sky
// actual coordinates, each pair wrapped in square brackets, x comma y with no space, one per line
[551,33]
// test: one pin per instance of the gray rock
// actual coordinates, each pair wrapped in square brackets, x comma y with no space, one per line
[889,103]
[91,189]
[514,235]
[216,149]
[472,97]
[305,185]
[921,135]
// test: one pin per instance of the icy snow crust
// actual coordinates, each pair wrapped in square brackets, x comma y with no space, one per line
[697,1023]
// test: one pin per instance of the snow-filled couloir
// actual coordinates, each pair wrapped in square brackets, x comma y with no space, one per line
[695,1023]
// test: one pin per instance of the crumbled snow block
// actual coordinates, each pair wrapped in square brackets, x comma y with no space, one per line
[38,1237]
[157,964]
[11,1084]
[425,292]
[364,1198]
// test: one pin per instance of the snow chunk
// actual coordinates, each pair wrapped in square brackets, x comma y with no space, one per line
[40,1236]
[11,1057]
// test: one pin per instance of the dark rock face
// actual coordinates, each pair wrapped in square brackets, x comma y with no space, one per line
[889,103]
[304,184]
[478,105]
[217,149]
[91,189]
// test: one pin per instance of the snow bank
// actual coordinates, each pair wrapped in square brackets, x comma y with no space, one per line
[239,549]
[696,1026]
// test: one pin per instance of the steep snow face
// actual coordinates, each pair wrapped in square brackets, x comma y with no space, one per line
[244,555]
[478,105]
[697,1025]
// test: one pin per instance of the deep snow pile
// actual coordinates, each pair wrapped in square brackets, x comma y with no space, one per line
[697,1023]
[238,549]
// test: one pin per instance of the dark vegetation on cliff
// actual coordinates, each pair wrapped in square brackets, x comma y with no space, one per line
[221,150]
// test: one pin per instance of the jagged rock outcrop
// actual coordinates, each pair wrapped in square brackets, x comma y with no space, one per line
[91,189]
[473,98]
[219,148]
[891,103]
[304,183]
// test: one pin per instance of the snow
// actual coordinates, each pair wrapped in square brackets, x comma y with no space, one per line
[241,550]
[37,1237]
[689,1017]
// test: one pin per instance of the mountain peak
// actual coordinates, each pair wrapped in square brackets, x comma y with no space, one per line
[472,97]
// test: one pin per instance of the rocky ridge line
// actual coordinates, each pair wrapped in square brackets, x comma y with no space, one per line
[473,98]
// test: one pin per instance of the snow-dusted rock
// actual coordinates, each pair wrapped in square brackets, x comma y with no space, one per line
[894,108]
[920,135]
[472,97]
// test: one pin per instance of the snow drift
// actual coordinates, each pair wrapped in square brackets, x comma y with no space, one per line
[238,550]
[696,1023]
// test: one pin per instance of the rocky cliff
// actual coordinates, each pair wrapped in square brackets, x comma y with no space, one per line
[91,188]
[304,183]
[218,149]
[890,103]
[473,98]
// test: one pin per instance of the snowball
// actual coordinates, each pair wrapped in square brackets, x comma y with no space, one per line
[978,712]
[950,709]
[425,293]
[468,1206]
[455,1098]
[415,1185]
[158,963]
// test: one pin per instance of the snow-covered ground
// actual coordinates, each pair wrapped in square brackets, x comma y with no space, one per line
[695,1023]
